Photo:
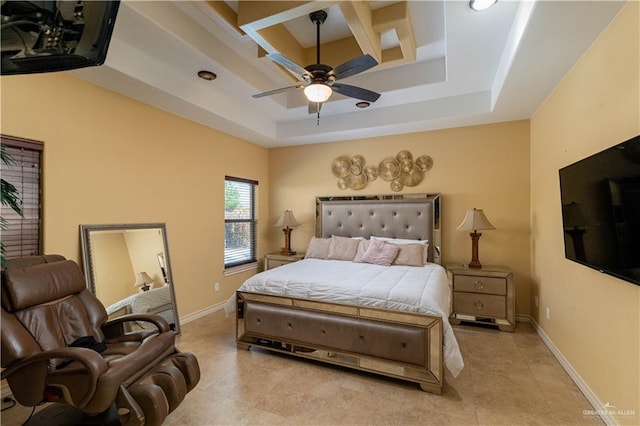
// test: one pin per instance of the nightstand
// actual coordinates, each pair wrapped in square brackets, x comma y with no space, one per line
[273,260]
[483,296]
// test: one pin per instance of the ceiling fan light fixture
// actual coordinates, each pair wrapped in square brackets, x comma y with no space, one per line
[317,92]
[479,5]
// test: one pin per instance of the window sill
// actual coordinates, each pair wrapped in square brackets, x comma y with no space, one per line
[240,268]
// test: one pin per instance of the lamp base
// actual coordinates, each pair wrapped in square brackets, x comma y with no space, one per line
[475,263]
[286,250]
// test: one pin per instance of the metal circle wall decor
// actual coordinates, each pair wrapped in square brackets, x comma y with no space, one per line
[425,163]
[411,178]
[389,169]
[357,181]
[342,183]
[400,171]
[341,166]
[357,164]
[371,172]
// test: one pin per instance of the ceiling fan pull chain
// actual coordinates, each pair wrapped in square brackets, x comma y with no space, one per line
[318,121]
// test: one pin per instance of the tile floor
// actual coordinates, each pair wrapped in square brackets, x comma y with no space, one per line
[509,379]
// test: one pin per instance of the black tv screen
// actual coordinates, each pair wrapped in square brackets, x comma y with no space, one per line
[48,36]
[601,210]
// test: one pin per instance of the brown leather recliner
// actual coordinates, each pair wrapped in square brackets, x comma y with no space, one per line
[57,345]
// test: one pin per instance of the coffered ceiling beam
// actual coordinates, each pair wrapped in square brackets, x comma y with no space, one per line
[263,22]
[396,17]
[360,21]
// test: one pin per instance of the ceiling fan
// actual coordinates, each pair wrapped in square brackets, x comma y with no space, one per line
[319,80]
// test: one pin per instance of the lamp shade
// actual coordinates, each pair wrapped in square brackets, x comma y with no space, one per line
[475,220]
[287,220]
[143,279]
[317,92]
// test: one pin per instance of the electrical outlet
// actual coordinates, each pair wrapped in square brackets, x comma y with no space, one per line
[548,310]
[216,286]
[536,301]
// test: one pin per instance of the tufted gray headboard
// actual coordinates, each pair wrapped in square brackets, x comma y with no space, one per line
[416,218]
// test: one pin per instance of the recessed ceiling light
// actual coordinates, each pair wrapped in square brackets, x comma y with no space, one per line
[207,75]
[363,104]
[479,5]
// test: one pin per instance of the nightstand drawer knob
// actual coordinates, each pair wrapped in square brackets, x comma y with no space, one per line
[479,305]
[478,284]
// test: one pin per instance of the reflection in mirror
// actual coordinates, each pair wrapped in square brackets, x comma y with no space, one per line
[127,267]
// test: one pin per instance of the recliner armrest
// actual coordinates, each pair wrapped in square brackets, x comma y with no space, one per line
[113,329]
[93,362]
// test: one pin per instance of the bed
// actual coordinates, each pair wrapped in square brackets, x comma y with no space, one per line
[153,301]
[386,319]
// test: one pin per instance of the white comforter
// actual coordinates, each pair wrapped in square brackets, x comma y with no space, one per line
[402,288]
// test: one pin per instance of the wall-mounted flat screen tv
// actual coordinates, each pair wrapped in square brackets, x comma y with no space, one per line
[601,210]
[59,35]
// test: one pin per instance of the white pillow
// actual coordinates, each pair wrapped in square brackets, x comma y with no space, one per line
[407,241]
[318,248]
[342,248]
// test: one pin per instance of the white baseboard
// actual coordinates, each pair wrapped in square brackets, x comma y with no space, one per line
[202,313]
[599,408]
[523,318]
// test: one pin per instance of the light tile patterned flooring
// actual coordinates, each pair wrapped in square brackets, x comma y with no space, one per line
[509,379]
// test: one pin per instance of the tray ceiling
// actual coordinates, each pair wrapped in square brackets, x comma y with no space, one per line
[441,64]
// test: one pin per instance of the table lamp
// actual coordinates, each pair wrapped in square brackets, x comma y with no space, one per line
[286,222]
[143,280]
[475,220]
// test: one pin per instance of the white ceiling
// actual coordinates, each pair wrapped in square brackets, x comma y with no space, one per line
[471,67]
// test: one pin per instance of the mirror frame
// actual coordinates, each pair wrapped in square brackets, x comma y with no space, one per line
[87,257]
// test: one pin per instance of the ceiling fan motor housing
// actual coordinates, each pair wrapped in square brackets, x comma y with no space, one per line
[318,17]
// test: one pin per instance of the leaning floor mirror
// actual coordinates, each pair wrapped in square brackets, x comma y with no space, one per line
[127,267]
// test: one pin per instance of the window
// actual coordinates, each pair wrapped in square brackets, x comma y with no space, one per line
[240,221]
[22,235]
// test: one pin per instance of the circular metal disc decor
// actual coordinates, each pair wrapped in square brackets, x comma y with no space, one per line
[341,166]
[357,164]
[371,172]
[342,183]
[357,181]
[412,178]
[404,155]
[396,186]
[389,169]
[424,163]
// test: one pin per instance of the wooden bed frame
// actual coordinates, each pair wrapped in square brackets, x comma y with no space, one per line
[403,345]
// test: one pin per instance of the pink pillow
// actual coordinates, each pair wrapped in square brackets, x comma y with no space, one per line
[380,253]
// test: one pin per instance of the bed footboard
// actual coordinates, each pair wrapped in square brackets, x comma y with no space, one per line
[401,345]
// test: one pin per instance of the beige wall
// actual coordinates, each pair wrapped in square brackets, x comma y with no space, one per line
[143,247]
[481,166]
[112,272]
[594,318]
[110,159]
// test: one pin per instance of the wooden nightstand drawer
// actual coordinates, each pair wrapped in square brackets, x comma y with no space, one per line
[476,284]
[274,263]
[273,260]
[482,305]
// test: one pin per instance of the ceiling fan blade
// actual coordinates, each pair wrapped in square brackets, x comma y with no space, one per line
[314,107]
[354,66]
[276,91]
[355,92]
[300,73]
